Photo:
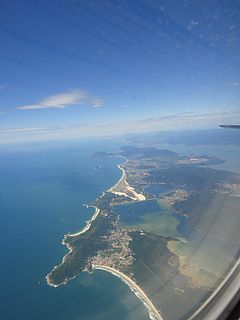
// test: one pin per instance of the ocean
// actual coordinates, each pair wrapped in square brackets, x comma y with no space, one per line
[43,188]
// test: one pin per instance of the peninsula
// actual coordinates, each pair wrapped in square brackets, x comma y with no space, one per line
[141,224]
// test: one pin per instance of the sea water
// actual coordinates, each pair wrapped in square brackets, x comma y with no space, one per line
[43,187]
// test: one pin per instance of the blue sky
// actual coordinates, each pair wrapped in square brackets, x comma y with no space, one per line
[103,67]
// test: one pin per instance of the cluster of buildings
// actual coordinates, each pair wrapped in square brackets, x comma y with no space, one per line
[178,195]
[192,160]
[232,189]
[118,255]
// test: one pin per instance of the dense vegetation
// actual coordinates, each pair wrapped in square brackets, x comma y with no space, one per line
[84,246]
[156,270]
[129,151]
[190,177]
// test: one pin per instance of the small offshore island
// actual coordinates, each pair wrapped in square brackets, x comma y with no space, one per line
[142,229]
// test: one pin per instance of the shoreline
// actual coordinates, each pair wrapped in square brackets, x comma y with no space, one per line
[137,196]
[84,229]
[152,310]
[88,225]
[120,179]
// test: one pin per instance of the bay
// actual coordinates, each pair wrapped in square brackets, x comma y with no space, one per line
[43,188]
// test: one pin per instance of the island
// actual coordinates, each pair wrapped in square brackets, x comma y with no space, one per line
[142,229]
[103,154]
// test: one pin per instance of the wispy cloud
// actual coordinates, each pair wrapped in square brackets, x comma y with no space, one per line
[167,122]
[96,102]
[192,25]
[233,84]
[3,86]
[22,130]
[64,100]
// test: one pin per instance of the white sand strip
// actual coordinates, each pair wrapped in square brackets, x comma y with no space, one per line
[153,312]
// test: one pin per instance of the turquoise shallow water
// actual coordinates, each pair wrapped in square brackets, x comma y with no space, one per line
[42,191]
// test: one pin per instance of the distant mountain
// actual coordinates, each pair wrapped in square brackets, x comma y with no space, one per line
[205,137]
[103,154]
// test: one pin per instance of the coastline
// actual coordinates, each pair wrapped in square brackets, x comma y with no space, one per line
[88,225]
[122,178]
[136,196]
[152,310]
[84,229]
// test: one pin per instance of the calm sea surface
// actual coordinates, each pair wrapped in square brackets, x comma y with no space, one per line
[43,188]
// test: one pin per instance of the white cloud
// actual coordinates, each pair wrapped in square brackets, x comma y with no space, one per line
[172,122]
[64,100]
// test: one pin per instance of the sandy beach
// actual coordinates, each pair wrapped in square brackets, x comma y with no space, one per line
[123,176]
[129,190]
[88,225]
[153,312]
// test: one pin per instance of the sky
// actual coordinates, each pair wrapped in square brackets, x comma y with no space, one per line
[81,68]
